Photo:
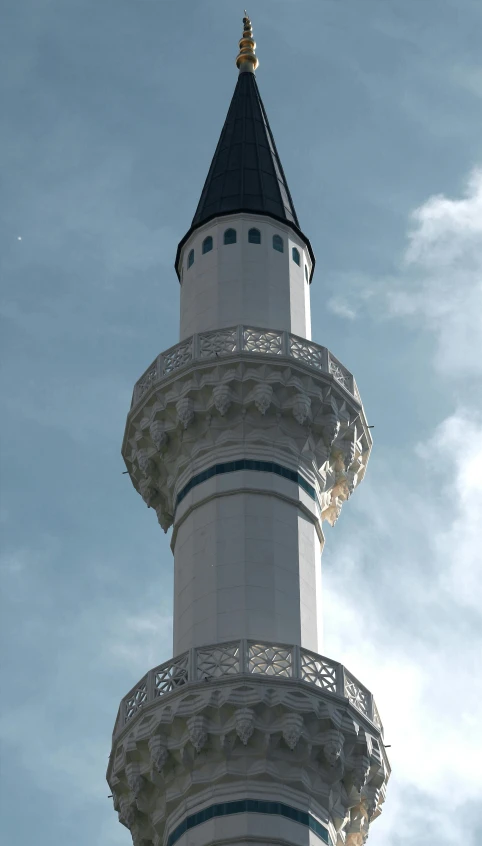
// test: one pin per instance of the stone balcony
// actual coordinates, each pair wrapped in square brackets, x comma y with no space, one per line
[222,343]
[193,407]
[252,728]
[274,662]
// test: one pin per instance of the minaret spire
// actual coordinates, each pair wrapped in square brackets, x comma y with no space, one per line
[246,174]
[247,60]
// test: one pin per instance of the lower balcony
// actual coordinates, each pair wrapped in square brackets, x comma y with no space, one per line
[250,658]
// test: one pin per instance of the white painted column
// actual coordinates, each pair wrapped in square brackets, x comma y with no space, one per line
[245,283]
[247,563]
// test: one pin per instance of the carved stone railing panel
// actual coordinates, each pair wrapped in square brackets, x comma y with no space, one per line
[306,352]
[263,341]
[356,392]
[357,695]
[177,357]
[151,376]
[376,717]
[220,660]
[233,658]
[342,375]
[271,660]
[318,671]
[220,342]
[171,674]
[137,697]
[244,339]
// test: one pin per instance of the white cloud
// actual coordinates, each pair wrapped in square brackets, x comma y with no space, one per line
[403,597]
[417,643]
[460,538]
[439,281]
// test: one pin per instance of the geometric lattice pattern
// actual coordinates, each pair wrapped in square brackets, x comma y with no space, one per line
[223,660]
[308,353]
[237,657]
[356,694]
[270,660]
[135,699]
[376,718]
[146,381]
[177,357]
[212,344]
[270,343]
[340,374]
[171,675]
[317,671]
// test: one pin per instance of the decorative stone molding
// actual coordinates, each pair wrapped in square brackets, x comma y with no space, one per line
[221,398]
[197,732]
[148,491]
[235,340]
[247,658]
[371,797]
[244,719]
[292,729]
[146,465]
[164,517]
[331,428]
[127,813]
[158,752]
[360,773]
[256,730]
[159,436]
[134,779]
[333,748]
[263,395]
[301,408]
[276,413]
[185,411]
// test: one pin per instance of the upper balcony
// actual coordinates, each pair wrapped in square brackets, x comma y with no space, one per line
[223,343]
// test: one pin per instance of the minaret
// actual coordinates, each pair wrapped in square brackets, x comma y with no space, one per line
[244,438]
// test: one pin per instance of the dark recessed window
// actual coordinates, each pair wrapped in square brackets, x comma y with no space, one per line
[190,258]
[207,244]
[296,256]
[254,236]
[278,243]
[306,273]
[230,236]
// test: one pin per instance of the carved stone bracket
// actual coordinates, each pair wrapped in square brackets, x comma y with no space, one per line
[244,719]
[247,409]
[280,732]
[197,732]
[292,729]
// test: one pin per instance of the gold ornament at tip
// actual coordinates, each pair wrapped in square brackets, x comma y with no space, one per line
[246,60]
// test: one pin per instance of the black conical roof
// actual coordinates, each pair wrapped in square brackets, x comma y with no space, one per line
[246,173]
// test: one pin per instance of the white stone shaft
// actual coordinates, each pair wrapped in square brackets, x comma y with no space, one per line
[245,283]
[247,563]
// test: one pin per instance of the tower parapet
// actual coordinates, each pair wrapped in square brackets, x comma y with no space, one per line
[244,438]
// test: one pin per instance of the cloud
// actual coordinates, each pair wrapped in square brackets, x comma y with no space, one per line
[415,641]
[402,598]
[438,284]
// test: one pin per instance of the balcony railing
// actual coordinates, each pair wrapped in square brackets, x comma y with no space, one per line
[244,339]
[249,657]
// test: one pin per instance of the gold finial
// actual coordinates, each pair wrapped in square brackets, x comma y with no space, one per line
[247,60]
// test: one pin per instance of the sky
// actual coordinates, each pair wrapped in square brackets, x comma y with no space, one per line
[111,112]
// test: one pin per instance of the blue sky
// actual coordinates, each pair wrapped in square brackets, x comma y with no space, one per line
[111,114]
